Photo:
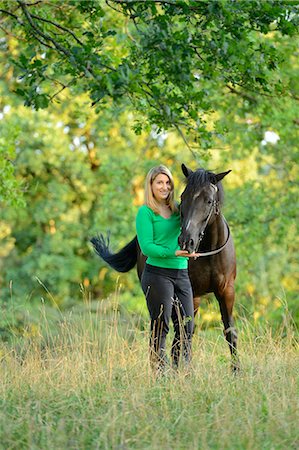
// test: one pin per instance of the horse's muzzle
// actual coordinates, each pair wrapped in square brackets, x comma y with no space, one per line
[187,243]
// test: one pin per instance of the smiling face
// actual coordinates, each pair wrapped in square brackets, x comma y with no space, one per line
[161,188]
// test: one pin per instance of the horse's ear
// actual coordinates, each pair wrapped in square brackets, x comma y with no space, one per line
[186,171]
[221,175]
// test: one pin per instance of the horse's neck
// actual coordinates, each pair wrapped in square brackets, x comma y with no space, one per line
[215,234]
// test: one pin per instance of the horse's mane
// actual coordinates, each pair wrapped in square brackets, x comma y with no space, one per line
[200,178]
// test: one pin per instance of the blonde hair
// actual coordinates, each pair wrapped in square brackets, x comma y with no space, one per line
[149,199]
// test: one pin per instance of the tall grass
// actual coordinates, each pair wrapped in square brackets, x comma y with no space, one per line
[87,385]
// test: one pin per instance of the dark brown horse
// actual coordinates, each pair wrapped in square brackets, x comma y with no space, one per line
[205,231]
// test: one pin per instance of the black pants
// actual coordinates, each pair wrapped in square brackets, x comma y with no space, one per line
[168,295]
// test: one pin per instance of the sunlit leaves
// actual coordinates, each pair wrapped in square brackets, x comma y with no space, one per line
[157,55]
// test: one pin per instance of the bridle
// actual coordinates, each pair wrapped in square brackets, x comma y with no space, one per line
[214,209]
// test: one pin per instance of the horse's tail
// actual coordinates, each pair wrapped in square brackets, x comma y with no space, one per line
[123,261]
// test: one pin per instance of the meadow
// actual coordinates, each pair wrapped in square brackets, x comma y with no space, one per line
[86,384]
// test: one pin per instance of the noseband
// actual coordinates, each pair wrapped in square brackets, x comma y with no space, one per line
[215,209]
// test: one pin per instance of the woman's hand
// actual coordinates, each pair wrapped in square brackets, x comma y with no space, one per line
[186,254]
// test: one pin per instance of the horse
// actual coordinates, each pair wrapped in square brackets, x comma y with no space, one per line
[204,231]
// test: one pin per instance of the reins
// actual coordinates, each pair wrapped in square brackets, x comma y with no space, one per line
[217,250]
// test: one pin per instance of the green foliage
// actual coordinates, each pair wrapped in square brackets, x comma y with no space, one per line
[76,185]
[267,211]
[166,58]
[231,75]
[10,188]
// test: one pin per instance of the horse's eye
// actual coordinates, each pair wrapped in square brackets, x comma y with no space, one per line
[209,202]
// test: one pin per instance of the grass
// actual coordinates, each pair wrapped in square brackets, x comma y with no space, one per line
[86,384]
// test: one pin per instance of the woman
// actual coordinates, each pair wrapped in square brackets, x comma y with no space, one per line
[165,281]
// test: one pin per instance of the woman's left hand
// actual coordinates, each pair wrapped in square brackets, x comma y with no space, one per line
[186,254]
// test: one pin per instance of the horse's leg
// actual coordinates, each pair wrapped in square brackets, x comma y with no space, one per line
[226,299]
[196,303]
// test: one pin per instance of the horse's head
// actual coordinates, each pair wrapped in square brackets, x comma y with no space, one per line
[200,203]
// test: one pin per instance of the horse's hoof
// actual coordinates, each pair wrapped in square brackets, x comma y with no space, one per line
[236,369]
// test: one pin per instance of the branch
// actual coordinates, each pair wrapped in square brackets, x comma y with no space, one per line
[12,15]
[39,32]
[33,4]
[63,86]
[185,140]
[57,93]
[117,10]
[131,2]
[242,94]
[44,43]
[61,27]
[255,91]
[160,2]
[197,52]
[128,32]
[8,33]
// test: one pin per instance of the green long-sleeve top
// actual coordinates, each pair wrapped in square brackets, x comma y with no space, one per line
[158,238]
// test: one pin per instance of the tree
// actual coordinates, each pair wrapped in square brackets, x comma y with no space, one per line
[76,182]
[80,173]
[167,57]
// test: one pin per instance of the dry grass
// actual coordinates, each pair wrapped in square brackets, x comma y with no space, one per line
[88,386]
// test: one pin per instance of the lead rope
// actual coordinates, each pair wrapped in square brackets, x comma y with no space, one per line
[217,250]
